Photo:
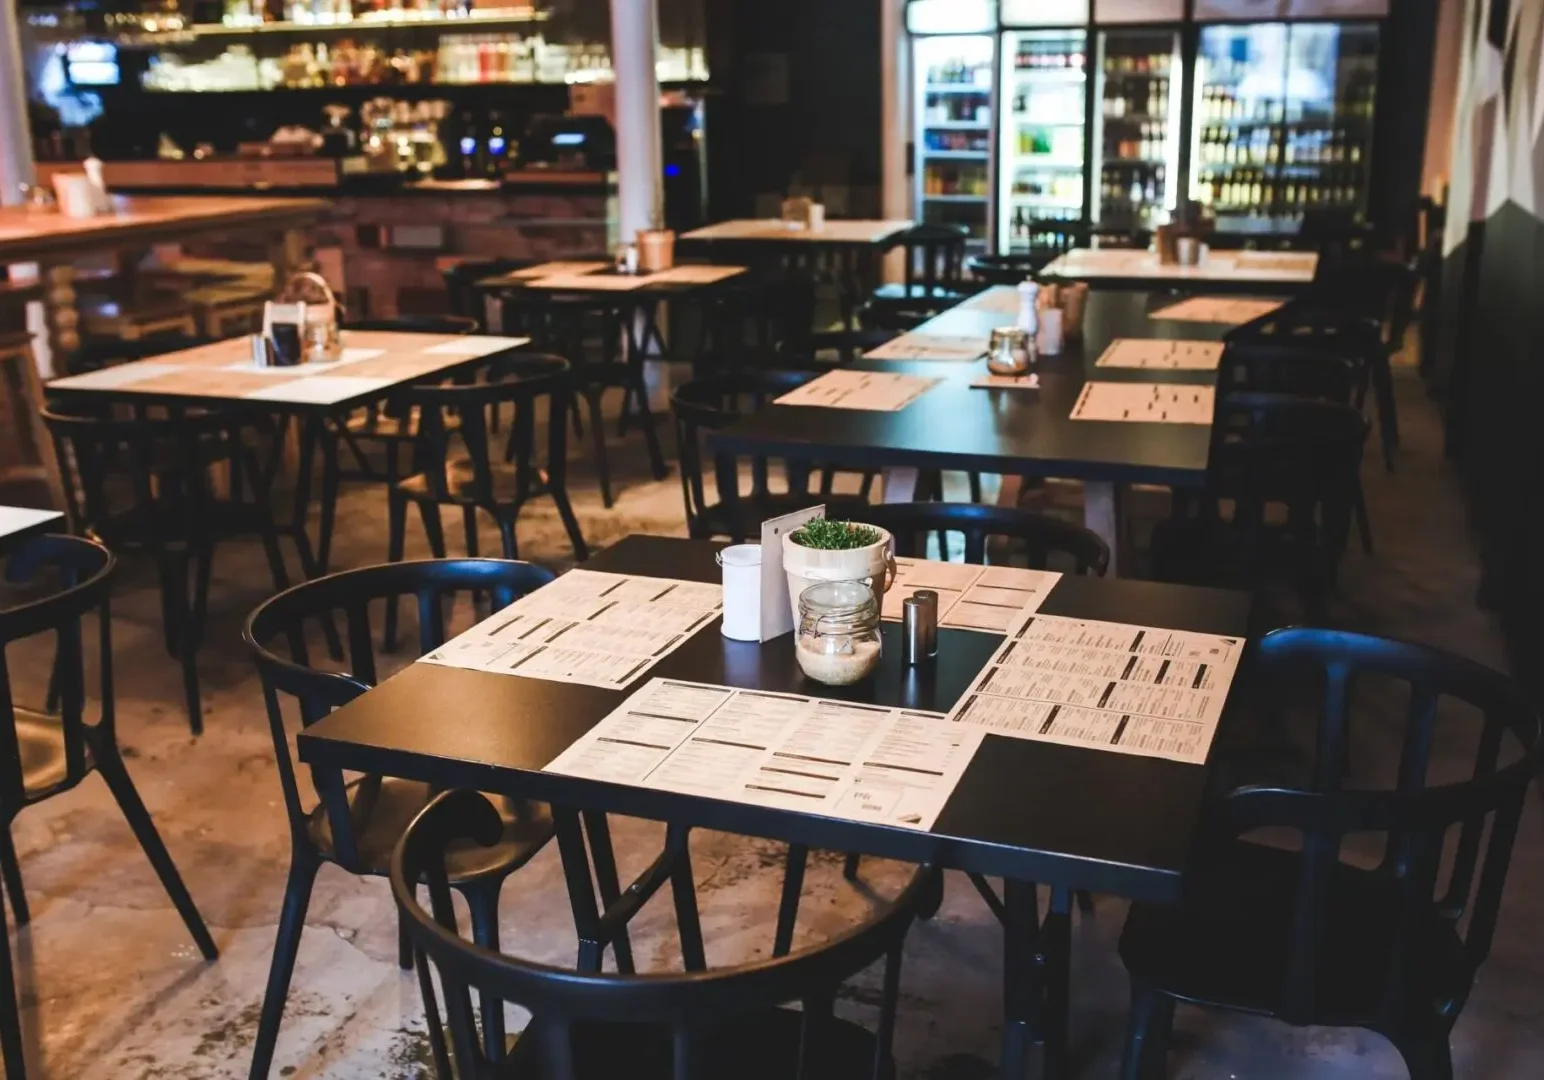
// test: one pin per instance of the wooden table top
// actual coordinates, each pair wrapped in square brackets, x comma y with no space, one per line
[596,279]
[17,523]
[957,426]
[1256,271]
[374,362]
[29,234]
[1035,811]
[856,231]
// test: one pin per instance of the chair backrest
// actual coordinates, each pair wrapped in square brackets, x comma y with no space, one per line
[1291,453]
[1049,542]
[1432,878]
[318,691]
[1003,269]
[521,378]
[587,330]
[714,402]
[93,355]
[82,570]
[159,457]
[689,1004]
[461,280]
[418,324]
[935,258]
[1287,369]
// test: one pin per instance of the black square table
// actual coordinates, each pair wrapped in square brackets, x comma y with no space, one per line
[18,524]
[1027,811]
[1218,272]
[1010,432]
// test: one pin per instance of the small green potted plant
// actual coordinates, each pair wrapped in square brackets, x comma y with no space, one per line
[827,550]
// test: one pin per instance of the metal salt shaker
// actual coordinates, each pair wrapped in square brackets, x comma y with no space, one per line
[919,627]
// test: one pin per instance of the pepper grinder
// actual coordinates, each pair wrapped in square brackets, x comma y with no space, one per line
[919,627]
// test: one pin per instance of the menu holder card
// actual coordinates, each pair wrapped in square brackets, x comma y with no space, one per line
[838,759]
[1140,690]
[1162,355]
[1152,403]
[776,605]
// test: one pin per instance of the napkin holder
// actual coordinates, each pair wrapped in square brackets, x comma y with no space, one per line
[776,605]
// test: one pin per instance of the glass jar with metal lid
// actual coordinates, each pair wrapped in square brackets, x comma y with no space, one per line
[839,641]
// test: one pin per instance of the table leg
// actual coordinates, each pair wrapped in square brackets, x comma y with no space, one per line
[1021,978]
[581,888]
[310,434]
[1056,937]
[900,485]
[1104,514]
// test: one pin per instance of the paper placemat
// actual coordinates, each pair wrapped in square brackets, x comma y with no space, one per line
[586,627]
[696,274]
[970,597]
[837,759]
[872,390]
[475,345]
[1158,354]
[1151,403]
[318,389]
[929,347]
[1104,686]
[1217,309]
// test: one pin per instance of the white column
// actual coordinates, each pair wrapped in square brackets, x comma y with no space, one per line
[15,138]
[894,119]
[634,39]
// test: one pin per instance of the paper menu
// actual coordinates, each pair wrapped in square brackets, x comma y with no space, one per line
[837,759]
[875,391]
[970,597]
[929,347]
[586,627]
[1105,686]
[1160,354]
[1153,403]
[1217,309]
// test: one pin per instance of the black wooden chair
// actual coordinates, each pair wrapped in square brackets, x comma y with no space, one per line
[1278,368]
[97,353]
[589,1025]
[1304,933]
[1003,269]
[356,827]
[466,299]
[597,336]
[477,480]
[1279,499]
[932,278]
[143,483]
[1048,543]
[48,754]
[713,402]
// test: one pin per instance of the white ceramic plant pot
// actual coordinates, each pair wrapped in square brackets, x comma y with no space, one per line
[805,566]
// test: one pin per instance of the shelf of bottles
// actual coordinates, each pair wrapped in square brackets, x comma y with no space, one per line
[1044,87]
[1136,126]
[1287,131]
[954,124]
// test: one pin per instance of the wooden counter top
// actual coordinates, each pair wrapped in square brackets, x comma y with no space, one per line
[27,234]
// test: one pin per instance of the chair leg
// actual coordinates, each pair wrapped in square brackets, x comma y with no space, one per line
[329,512]
[10,1017]
[292,921]
[507,540]
[1363,525]
[788,905]
[932,899]
[110,765]
[850,866]
[396,539]
[482,903]
[1147,1034]
[1388,416]
[570,524]
[10,869]
[404,945]
[433,530]
[469,530]
[1427,1057]
[598,438]
[650,434]
[975,486]
[434,1023]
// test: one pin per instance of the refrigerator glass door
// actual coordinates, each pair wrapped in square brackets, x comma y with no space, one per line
[1136,128]
[1040,181]
[1239,123]
[1332,73]
[953,145]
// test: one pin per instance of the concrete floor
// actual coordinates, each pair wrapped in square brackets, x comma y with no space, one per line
[112,987]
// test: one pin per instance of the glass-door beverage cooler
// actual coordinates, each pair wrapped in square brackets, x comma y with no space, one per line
[1283,122]
[1041,137]
[1136,128]
[954,62]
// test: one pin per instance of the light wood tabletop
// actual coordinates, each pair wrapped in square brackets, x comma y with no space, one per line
[1117,267]
[860,231]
